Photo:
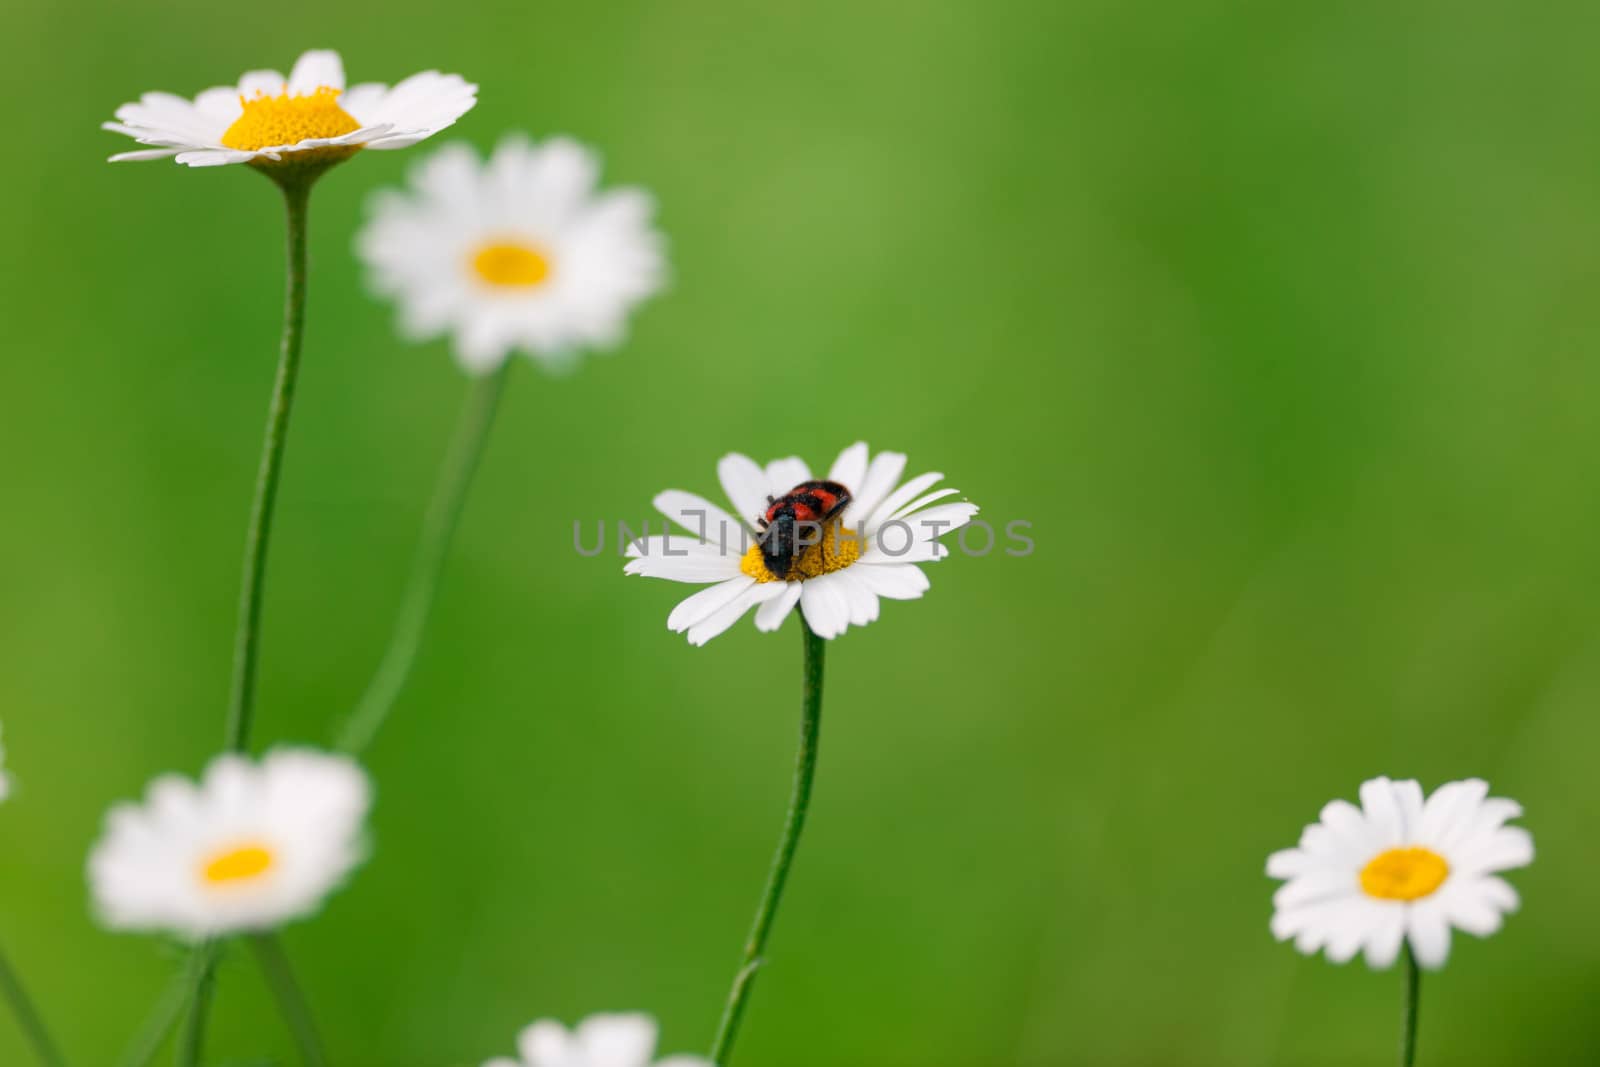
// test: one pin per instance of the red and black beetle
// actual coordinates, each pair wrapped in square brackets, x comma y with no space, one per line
[802,510]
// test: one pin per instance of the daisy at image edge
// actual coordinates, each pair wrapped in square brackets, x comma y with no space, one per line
[616,1040]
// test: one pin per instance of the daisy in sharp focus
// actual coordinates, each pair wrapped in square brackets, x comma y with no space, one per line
[521,252]
[599,1041]
[833,546]
[269,120]
[251,846]
[1399,868]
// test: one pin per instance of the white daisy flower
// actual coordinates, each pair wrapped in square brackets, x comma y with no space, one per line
[268,119]
[1399,867]
[836,570]
[252,846]
[521,251]
[598,1041]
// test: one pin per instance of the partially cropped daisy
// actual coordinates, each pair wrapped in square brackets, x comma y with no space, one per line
[5,782]
[598,1041]
[1399,868]
[521,252]
[833,545]
[310,116]
[251,846]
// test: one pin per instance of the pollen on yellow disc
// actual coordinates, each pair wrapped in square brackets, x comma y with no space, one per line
[1404,874]
[238,864]
[271,121]
[838,549]
[511,265]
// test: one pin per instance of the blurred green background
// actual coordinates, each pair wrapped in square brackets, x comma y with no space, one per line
[1278,323]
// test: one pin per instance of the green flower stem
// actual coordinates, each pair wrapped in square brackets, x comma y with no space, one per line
[247,639]
[203,972]
[291,1001]
[296,186]
[800,800]
[163,1017]
[433,549]
[28,1017]
[1408,1026]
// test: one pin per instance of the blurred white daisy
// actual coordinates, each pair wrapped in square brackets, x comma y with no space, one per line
[1399,867]
[253,845]
[268,119]
[519,252]
[599,1041]
[867,549]
[5,782]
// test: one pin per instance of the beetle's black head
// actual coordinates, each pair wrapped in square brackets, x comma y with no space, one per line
[779,544]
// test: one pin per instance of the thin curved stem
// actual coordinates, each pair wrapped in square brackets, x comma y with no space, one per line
[1408,1025]
[247,638]
[28,1017]
[800,800]
[291,1000]
[192,1039]
[427,566]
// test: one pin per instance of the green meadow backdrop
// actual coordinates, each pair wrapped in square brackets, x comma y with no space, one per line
[1280,325]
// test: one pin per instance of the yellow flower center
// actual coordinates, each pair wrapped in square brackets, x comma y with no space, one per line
[511,265]
[836,551]
[1404,874]
[272,121]
[241,863]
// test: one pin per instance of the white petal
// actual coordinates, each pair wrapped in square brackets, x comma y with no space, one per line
[770,615]
[861,601]
[746,485]
[316,70]
[826,610]
[689,562]
[726,616]
[420,106]
[152,153]
[1315,887]
[1450,810]
[1346,823]
[923,501]
[707,602]
[546,1043]
[362,101]
[261,82]
[896,581]
[214,157]
[1469,908]
[617,1040]
[850,469]
[895,543]
[700,517]
[900,497]
[1383,943]
[1408,795]
[1382,809]
[1429,933]
[878,482]
[939,520]
[1501,850]
[784,474]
